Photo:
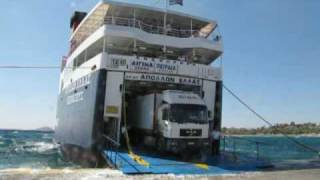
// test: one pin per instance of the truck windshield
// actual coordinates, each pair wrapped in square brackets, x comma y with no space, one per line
[188,113]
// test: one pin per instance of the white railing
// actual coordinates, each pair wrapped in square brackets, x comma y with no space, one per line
[153,28]
[150,28]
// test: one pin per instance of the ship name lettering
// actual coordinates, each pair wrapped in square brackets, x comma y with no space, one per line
[157,78]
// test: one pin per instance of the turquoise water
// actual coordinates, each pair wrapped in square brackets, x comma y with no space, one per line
[22,149]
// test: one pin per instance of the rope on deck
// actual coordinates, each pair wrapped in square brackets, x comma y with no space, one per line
[134,156]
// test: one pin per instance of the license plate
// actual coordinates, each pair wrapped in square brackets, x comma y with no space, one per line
[190,132]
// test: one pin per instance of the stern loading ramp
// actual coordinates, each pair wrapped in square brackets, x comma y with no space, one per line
[223,164]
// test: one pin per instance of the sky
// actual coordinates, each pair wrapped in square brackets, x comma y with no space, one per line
[271,57]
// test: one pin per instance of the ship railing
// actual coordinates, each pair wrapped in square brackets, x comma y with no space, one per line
[116,160]
[235,145]
[153,28]
[112,148]
[266,150]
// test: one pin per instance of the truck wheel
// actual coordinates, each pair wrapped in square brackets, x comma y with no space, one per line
[88,160]
[185,156]
[203,155]
[161,145]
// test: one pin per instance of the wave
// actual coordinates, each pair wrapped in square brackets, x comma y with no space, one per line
[22,170]
[40,147]
[43,147]
[1,140]
[46,136]
[34,147]
[66,173]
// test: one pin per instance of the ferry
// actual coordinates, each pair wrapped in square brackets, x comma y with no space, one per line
[139,77]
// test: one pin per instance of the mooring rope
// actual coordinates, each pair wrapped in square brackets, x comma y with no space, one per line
[134,156]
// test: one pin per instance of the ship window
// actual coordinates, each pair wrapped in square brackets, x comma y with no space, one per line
[89,53]
[80,59]
[62,84]
[95,49]
[74,64]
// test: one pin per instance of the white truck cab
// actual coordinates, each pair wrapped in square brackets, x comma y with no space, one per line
[176,120]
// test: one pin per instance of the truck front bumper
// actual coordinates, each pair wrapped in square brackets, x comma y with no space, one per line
[177,145]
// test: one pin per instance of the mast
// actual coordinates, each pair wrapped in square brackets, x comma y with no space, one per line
[165,25]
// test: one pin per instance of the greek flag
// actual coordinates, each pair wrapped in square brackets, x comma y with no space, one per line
[174,2]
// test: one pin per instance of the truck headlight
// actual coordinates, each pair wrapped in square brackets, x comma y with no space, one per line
[173,143]
[190,143]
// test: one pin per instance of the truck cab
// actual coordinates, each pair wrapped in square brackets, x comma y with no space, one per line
[182,122]
[171,121]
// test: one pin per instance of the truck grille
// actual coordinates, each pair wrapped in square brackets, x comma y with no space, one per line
[190,132]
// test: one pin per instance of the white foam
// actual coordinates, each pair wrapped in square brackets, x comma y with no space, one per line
[25,170]
[97,174]
[41,146]
[46,136]
[18,149]
[101,174]
[67,170]
[30,146]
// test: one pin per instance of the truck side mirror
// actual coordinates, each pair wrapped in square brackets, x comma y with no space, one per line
[209,114]
[120,88]
[165,114]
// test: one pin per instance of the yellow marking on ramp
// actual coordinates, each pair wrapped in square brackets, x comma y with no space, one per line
[202,166]
[139,160]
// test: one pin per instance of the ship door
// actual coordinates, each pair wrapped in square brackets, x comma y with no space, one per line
[113,105]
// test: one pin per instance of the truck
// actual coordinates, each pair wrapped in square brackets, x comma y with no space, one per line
[170,121]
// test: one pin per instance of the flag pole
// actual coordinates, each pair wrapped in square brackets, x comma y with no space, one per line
[166,5]
[165,18]
[165,26]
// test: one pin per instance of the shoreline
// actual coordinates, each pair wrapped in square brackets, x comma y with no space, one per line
[114,174]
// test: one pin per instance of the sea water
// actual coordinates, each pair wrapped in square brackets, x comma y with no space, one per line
[26,149]
[37,150]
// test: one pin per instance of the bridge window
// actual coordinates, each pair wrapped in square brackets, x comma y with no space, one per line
[93,50]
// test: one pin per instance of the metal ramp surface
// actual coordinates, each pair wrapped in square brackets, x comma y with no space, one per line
[162,165]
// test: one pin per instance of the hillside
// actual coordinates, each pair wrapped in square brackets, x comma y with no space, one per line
[291,129]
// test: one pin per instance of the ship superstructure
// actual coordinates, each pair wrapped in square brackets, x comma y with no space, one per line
[121,52]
